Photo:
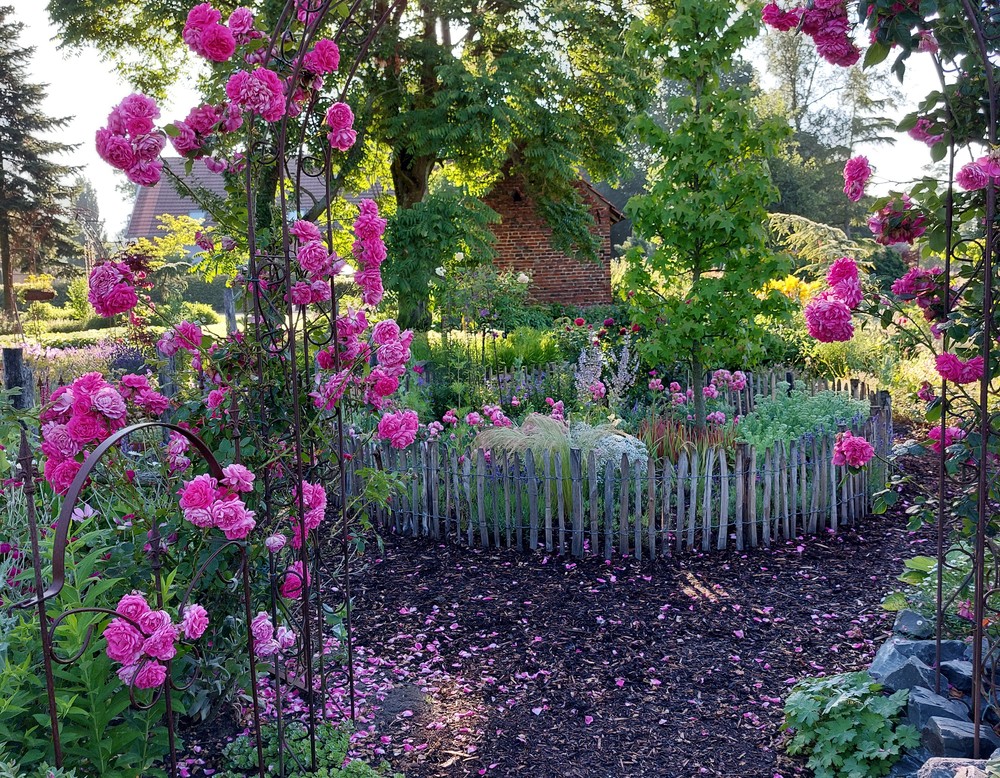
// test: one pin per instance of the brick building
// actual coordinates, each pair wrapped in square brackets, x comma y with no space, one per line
[523,245]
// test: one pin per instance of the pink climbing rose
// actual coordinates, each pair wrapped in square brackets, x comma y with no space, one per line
[194,622]
[953,369]
[951,435]
[852,450]
[829,319]
[844,281]
[340,119]
[399,428]
[857,171]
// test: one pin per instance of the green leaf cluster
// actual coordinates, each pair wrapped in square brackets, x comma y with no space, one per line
[332,745]
[847,726]
[789,416]
[698,287]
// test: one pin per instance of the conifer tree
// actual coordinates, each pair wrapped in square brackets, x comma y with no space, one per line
[33,188]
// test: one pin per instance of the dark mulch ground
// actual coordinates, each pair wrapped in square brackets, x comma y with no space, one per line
[672,669]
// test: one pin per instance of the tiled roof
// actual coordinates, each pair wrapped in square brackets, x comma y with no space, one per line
[163,198]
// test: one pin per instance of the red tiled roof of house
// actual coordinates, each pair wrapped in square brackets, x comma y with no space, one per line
[164,197]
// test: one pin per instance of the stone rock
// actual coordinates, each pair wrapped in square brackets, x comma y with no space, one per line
[910,764]
[913,625]
[923,703]
[896,650]
[950,737]
[959,674]
[953,768]
[911,673]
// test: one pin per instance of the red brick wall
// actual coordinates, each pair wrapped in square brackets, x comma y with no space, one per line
[523,246]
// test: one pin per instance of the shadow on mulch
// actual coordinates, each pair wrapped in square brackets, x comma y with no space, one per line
[671,669]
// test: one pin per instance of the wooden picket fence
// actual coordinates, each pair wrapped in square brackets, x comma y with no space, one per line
[715,499]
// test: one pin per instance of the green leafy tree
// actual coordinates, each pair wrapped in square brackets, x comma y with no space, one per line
[697,286]
[459,90]
[33,193]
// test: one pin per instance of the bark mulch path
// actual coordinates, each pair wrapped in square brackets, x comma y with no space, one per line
[583,668]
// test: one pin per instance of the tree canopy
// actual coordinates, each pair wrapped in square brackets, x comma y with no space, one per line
[452,94]
[34,191]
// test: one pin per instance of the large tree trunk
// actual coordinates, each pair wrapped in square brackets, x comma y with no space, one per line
[6,267]
[698,386]
[410,178]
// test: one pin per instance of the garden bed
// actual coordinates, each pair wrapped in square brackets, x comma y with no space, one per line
[676,668]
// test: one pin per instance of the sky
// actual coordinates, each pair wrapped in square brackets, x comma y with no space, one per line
[82,86]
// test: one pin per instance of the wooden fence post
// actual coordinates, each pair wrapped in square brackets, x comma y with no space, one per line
[17,375]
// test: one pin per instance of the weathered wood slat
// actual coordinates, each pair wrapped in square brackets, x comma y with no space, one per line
[507,505]
[693,500]
[592,498]
[623,545]
[665,545]
[637,501]
[609,509]
[768,481]
[682,470]
[723,537]
[751,496]
[518,502]
[651,506]
[560,500]
[547,469]
[706,509]
[739,469]
[467,483]
[529,464]
[576,478]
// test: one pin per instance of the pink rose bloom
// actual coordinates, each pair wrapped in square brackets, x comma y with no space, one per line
[275,542]
[291,587]
[238,478]
[151,621]
[200,517]
[261,628]
[145,172]
[62,474]
[844,269]
[597,390]
[233,518]
[194,622]
[383,384]
[189,335]
[132,606]
[450,417]
[84,428]
[313,258]
[395,354]
[203,118]
[928,43]
[199,492]
[385,332]
[324,57]
[953,369]
[473,419]
[150,675]
[305,231]
[115,150]
[851,450]
[849,292]
[921,131]
[285,637]
[124,642]
[215,398]
[340,118]
[370,281]
[109,403]
[149,146]
[329,394]
[829,319]
[135,115]
[857,171]
[103,279]
[300,293]
[320,291]
[133,383]
[160,645]
[241,21]
[58,441]
[260,91]
[784,21]
[674,387]
[152,402]
[951,435]
[399,428]
[972,177]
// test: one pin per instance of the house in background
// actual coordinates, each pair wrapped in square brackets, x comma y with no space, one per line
[522,245]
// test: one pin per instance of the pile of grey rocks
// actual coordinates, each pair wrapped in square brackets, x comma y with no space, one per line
[942,714]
